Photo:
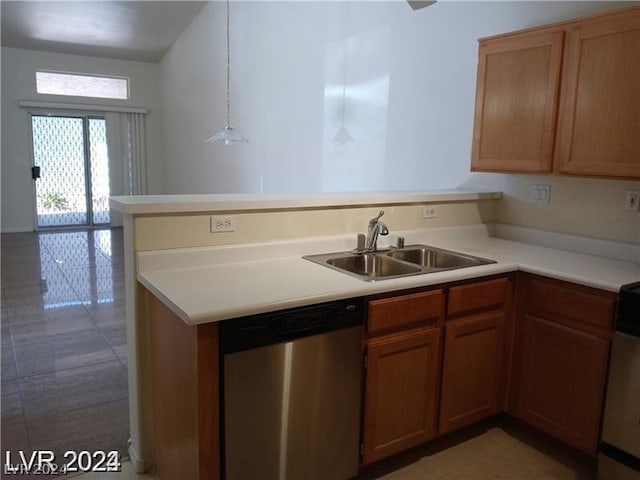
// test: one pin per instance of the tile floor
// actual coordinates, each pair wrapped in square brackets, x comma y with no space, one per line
[496,454]
[64,355]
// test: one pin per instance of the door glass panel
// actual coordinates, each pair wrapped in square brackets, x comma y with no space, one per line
[59,151]
[99,166]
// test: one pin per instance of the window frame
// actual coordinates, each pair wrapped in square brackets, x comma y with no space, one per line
[83,74]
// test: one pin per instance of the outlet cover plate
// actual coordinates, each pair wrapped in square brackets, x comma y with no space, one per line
[631,200]
[220,224]
[540,194]
[429,211]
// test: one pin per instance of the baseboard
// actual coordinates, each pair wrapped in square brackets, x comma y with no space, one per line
[140,465]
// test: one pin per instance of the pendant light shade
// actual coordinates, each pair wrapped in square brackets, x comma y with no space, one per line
[228,135]
[343,136]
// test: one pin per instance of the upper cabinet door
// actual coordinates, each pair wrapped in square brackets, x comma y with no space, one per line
[516,102]
[599,121]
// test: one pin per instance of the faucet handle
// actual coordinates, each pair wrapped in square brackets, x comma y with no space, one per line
[374,220]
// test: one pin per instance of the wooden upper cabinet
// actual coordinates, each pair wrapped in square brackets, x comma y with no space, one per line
[516,102]
[561,99]
[599,122]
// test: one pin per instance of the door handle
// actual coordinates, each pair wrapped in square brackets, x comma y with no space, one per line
[35,172]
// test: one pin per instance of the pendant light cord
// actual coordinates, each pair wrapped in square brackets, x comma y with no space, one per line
[228,71]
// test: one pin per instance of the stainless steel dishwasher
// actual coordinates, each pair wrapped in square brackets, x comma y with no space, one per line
[292,393]
[619,457]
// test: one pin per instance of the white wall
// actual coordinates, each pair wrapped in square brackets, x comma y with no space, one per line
[410,89]
[18,83]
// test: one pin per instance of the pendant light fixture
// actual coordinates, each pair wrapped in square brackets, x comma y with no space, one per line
[228,135]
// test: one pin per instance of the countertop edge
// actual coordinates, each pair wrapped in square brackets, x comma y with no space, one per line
[163,204]
[365,289]
[166,300]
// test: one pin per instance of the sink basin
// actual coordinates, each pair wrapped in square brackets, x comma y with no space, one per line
[373,266]
[436,259]
[411,260]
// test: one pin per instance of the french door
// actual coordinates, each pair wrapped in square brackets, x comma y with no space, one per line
[70,170]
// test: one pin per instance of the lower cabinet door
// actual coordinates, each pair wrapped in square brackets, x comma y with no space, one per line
[561,384]
[473,373]
[401,392]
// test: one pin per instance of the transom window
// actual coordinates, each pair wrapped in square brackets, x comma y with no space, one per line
[80,85]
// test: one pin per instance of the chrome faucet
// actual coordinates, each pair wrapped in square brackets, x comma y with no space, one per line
[376,227]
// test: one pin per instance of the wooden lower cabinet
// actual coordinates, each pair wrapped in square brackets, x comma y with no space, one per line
[561,361]
[562,382]
[401,392]
[478,338]
[472,376]
[437,360]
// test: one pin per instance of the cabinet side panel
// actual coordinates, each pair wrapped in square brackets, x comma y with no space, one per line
[174,394]
[208,402]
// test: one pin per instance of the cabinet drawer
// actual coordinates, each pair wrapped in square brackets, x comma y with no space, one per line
[570,304]
[424,308]
[489,295]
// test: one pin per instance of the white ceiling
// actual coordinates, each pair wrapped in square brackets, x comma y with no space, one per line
[129,30]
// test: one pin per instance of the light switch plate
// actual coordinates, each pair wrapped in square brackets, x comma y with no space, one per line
[540,194]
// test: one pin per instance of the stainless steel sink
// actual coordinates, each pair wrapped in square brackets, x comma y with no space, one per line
[373,266]
[437,259]
[411,260]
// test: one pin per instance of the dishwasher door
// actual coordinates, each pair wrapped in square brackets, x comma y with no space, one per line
[292,410]
[619,457]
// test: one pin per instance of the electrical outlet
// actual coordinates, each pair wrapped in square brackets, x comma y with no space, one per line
[631,200]
[223,224]
[429,211]
[540,194]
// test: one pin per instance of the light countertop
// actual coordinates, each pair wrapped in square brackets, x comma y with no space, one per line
[210,284]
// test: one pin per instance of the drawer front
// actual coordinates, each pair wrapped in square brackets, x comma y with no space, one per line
[570,304]
[424,308]
[476,297]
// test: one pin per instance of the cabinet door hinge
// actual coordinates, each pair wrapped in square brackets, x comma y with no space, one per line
[366,360]
[361,449]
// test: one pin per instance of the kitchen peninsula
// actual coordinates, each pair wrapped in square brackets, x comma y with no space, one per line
[184,278]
